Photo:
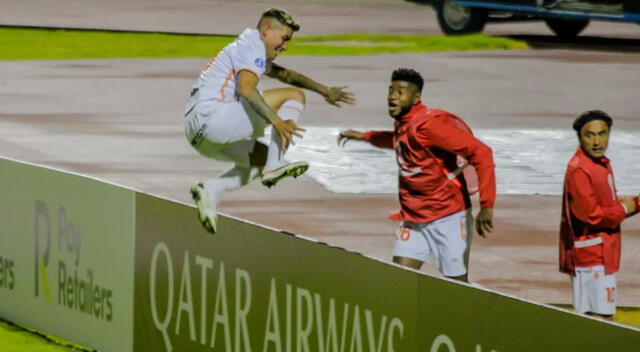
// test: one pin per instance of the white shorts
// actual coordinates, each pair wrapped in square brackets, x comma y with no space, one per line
[447,239]
[594,291]
[223,131]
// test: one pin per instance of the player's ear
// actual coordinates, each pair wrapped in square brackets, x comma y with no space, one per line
[263,26]
[417,96]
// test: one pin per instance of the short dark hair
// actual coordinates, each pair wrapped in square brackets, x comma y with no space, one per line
[283,17]
[408,75]
[591,115]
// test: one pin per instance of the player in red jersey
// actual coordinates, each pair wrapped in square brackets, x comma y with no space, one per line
[591,216]
[434,194]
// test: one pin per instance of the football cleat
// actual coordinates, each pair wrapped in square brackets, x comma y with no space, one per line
[271,177]
[206,207]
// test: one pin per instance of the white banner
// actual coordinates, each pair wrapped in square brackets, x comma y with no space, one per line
[66,255]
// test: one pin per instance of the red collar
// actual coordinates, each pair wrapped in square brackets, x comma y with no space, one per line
[582,155]
[416,109]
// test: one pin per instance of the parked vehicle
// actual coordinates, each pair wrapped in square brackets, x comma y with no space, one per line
[566,18]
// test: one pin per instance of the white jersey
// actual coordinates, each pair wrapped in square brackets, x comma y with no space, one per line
[219,77]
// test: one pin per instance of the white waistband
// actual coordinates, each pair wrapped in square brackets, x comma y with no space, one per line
[589,269]
[588,243]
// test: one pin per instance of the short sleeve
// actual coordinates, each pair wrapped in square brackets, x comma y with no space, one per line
[250,56]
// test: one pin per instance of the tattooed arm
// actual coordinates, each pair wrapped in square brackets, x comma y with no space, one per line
[247,91]
[333,95]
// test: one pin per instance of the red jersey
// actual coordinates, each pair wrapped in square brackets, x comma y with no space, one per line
[591,216]
[427,143]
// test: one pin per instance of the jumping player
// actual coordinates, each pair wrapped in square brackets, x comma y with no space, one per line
[435,206]
[591,218]
[226,112]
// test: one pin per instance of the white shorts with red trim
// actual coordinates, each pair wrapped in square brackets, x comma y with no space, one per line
[447,239]
[594,291]
[223,130]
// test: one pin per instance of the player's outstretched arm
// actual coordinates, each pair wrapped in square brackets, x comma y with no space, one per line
[333,95]
[345,136]
[336,95]
[247,90]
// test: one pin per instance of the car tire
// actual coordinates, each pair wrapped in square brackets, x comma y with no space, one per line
[454,19]
[565,28]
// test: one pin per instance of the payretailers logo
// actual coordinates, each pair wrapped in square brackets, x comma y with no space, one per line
[59,275]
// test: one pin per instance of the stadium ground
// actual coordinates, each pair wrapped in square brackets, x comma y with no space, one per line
[49,109]
[79,115]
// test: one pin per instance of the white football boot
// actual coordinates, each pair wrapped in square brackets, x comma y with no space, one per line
[206,207]
[271,177]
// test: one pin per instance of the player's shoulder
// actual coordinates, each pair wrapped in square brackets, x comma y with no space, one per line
[574,162]
[250,38]
[577,170]
[248,47]
[579,162]
[438,113]
[433,118]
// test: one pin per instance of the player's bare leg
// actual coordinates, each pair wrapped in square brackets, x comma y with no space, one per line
[276,97]
[248,165]
[408,262]
[417,264]
[289,103]
[207,194]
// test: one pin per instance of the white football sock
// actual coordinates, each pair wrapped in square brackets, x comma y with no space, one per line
[230,180]
[290,110]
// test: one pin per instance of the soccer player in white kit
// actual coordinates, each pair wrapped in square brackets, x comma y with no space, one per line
[226,112]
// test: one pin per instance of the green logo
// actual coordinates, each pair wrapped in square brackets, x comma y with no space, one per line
[76,287]
[42,237]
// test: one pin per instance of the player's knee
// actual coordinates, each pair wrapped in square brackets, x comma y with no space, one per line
[298,95]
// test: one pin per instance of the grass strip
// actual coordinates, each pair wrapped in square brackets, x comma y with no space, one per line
[58,44]
[19,339]
[628,316]
[624,315]
[368,44]
[14,338]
